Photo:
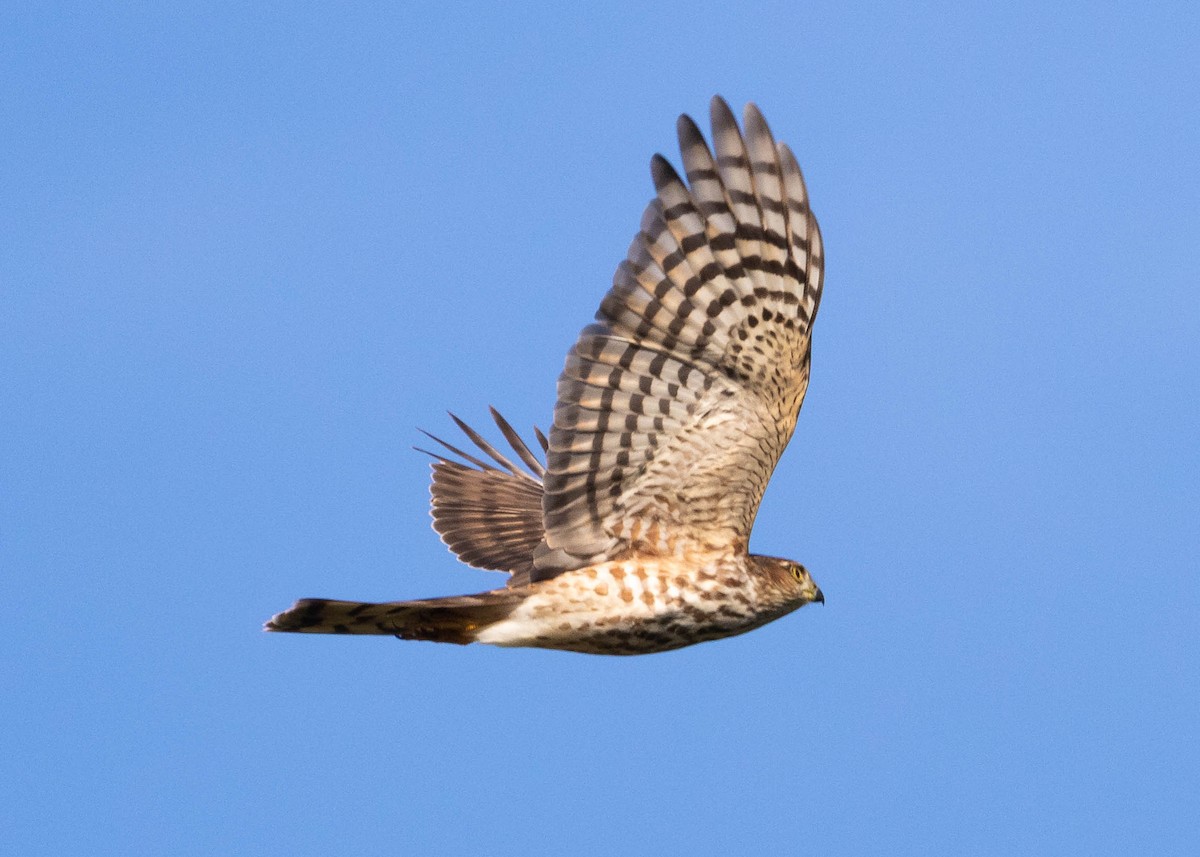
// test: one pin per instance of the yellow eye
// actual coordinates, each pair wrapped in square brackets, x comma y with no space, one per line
[798,572]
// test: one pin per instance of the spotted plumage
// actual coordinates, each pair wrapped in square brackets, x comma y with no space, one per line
[673,409]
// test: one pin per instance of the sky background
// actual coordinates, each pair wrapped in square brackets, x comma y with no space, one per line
[246,252]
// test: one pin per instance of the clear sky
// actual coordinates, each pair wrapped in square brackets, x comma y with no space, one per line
[244,254]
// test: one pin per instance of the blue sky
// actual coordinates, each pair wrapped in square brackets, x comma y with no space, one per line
[245,253]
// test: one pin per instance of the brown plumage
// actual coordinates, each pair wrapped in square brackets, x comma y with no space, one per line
[442,620]
[490,515]
[673,409]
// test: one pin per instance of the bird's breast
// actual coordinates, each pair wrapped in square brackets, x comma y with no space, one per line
[634,607]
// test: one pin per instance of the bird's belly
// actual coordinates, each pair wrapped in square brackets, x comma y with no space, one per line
[618,609]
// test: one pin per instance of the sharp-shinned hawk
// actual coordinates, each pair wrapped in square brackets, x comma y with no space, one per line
[672,411]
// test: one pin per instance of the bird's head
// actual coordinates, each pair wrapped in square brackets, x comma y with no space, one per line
[788,581]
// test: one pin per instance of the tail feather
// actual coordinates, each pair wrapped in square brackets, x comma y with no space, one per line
[443,620]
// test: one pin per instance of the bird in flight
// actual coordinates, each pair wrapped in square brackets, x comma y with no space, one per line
[673,409]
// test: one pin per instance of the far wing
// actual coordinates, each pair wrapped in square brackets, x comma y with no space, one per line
[489,511]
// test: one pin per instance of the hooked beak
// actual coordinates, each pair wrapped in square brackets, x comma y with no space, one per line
[819,597]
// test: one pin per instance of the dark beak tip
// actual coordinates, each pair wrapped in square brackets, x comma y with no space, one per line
[820,599]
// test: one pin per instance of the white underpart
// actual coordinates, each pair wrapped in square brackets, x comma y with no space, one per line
[596,599]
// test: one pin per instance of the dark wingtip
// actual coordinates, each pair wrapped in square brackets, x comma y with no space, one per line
[717,102]
[662,172]
[718,109]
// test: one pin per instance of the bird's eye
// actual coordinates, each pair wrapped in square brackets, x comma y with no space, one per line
[798,572]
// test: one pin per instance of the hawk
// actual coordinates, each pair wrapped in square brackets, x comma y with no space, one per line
[673,409]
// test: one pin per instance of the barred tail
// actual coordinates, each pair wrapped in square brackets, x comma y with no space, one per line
[443,620]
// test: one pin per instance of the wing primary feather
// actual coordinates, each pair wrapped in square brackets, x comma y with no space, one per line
[519,446]
[482,465]
[490,450]
[733,164]
[768,189]
[510,434]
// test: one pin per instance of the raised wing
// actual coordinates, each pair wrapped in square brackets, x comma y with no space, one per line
[675,406]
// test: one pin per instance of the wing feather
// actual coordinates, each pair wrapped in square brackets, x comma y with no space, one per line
[674,407]
[489,513]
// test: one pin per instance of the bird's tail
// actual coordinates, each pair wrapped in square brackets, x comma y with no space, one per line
[456,619]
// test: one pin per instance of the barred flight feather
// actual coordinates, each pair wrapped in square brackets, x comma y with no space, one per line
[696,367]
[489,513]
